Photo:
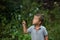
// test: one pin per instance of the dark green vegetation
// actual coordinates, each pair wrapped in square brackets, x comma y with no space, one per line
[12,12]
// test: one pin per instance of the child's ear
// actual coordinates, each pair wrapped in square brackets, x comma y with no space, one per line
[40,22]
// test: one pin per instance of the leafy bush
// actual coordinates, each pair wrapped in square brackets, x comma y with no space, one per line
[12,12]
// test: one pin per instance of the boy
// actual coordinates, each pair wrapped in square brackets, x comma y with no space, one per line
[37,31]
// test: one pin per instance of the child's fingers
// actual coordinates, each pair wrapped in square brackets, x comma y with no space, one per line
[23,22]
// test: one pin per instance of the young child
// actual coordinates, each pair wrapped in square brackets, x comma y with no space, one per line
[37,31]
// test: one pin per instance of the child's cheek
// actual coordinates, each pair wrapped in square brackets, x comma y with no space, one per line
[34,21]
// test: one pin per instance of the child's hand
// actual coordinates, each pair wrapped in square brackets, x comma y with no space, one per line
[23,23]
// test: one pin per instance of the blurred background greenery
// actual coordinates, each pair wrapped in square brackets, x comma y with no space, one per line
[12,12]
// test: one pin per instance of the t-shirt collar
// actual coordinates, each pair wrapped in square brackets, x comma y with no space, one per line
[39,27]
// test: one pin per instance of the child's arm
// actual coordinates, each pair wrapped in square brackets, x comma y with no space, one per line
[45,34]
[46,37]
[24,24]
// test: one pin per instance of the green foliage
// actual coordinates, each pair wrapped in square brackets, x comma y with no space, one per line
[12,12]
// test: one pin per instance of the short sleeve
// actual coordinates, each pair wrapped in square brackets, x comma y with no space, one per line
[29,29]
[45,32]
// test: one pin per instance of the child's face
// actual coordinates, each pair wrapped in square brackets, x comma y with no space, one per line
[36,20]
